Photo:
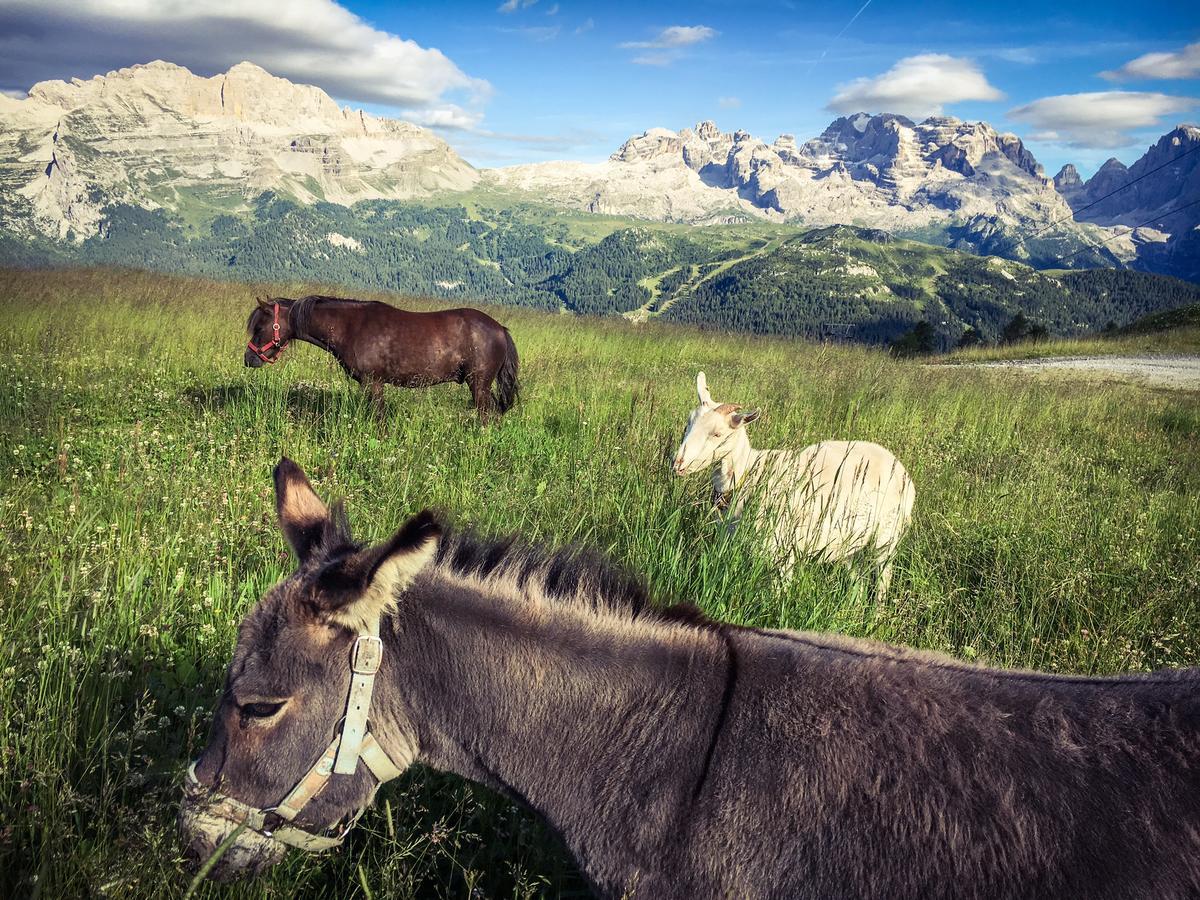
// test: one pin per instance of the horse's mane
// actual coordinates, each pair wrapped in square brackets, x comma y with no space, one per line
[300,311]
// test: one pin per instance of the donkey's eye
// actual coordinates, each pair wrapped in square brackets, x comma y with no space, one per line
[260,710]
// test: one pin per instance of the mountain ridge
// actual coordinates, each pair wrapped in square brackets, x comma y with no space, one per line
[152,134]
[156,136]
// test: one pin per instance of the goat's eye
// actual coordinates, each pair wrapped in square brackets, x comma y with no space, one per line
[260,710]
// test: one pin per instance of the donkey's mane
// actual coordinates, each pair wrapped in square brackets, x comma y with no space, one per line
[573,574]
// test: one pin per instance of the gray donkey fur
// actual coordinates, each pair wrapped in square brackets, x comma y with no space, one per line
[682,758]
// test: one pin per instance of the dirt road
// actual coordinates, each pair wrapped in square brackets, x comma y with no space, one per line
[1159,371]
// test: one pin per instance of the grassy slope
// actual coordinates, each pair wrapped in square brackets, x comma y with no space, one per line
[1170,331]
[1055,528]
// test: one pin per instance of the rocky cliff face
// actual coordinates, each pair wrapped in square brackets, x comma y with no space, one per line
[1175,156]
[159,136]
[1148,194]
[1067,182]
[881,171]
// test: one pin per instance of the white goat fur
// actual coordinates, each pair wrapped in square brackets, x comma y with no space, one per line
[827,501]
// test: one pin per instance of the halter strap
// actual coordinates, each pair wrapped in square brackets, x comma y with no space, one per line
[365,658]
[352,742]
[274,343]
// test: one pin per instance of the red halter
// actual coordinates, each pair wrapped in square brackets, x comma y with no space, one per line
[275,343]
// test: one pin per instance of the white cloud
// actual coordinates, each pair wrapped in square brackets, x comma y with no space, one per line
[729,102]
[654,59]
[668,45]
[553,10]
[509,6]
[1099,119]
[309,41]
[587,25]
[448,117]
[1183,63]
[535,32]
[673,37]
[917,86]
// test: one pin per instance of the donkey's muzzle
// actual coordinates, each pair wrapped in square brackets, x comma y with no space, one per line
[202,832]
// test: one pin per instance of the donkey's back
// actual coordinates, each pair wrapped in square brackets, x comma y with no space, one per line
[878,772]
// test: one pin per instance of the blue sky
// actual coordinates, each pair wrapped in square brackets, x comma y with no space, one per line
[514,81]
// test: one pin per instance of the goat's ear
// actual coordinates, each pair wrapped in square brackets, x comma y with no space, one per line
[740,418]
[302,515]
[357,591]
[702,390]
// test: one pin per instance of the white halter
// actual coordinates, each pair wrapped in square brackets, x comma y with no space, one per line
[352,741]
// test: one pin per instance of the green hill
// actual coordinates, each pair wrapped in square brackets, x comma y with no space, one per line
[1168,320]
[843,282]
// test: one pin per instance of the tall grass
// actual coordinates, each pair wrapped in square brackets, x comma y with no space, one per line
[1057,526]
[1182,339]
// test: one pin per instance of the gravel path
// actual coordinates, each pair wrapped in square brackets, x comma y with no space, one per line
[1159,371]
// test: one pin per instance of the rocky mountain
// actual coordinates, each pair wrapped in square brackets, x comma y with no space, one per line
[159,139]
[157,136]
[962,182]
[1166,178]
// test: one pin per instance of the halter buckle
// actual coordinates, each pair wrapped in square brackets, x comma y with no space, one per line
[367,655]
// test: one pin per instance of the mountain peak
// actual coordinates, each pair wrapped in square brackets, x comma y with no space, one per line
[135,134]
[245,66]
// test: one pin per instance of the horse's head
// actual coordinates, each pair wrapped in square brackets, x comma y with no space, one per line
[710,430]
[291,754]
[268,329]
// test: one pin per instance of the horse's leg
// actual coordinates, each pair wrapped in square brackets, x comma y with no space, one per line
[481,393]
[374,388]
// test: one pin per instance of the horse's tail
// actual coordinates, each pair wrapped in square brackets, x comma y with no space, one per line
[507,387]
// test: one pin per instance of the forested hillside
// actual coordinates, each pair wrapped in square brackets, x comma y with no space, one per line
[840,281]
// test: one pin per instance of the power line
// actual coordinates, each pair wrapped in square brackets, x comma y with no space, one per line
[1129,232]
[1076,212]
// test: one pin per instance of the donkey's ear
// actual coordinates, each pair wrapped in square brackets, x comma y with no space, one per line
[702,390]
[356,592]
[741,418]
[302,515]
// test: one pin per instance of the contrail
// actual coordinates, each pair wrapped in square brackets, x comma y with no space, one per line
[845,28]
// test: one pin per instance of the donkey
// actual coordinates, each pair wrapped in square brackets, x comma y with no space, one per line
[830,500]
[675,756]
[377,344]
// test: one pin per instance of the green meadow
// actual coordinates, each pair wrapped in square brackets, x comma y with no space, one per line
[1057,527]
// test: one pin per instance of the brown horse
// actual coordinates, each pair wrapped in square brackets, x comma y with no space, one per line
[676,757]
[377,344]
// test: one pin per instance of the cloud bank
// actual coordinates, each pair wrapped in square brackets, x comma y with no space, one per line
[917,86]
[1100,119]
[1183,63]
[309,41]
[669,43]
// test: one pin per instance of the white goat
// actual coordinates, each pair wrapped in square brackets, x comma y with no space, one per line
[828,501]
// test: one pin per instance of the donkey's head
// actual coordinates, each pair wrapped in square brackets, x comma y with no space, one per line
[295,688]
[268,330]
[711,433]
